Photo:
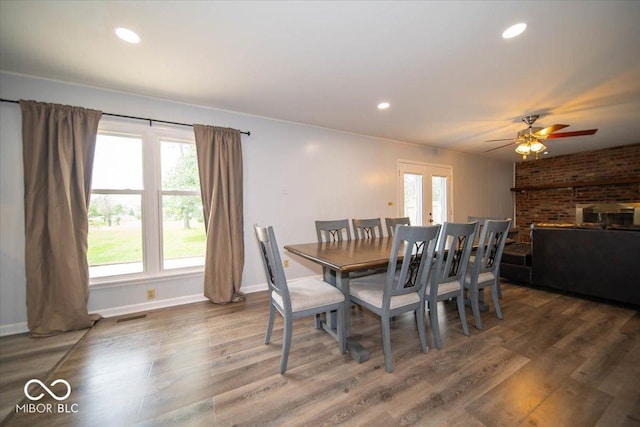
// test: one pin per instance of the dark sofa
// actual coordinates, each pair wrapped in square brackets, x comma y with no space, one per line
[588,260]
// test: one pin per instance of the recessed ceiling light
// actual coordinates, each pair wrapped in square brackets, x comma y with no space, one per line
[514,30]
[383,105]
[127,35]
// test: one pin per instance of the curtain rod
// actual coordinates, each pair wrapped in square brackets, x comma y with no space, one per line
[133,117]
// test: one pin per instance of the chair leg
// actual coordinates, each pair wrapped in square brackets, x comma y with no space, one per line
[386,343]
[475,306]
[420,324]
[286,344]
[495,295]
[462,312]
[272,314]
[435,329]
[342,341]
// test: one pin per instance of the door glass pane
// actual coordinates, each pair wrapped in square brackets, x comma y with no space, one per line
[439,199]
[183,236]
[413,198]
[115,235]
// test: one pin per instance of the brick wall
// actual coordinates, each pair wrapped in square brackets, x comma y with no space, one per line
[557,205]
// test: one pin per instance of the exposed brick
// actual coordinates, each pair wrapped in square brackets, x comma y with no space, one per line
[558,205]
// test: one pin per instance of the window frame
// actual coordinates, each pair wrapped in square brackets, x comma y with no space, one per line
[151,199]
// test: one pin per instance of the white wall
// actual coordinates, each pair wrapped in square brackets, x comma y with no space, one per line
[293,174]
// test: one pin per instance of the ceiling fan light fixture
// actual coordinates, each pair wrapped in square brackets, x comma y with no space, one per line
[537,146]
[514,30]
[127,35]
[523,149]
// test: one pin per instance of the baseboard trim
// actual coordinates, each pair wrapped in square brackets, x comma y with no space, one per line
[147,306]
[14,329]
[22,327]
[169,302]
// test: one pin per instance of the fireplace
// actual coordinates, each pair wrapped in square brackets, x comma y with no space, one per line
[608,213]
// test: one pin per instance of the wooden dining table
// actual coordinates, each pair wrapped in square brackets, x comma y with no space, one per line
[340,261]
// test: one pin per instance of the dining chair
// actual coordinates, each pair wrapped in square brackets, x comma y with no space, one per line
[333,230]
[448,271]
[481,220]
[300,298]
[399,291]
[484,271]
[392,222]
[366,228]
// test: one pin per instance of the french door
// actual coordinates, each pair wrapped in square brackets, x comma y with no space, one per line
[425,193]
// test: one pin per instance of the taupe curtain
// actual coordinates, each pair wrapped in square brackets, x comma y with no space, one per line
[219,153]
[58,147]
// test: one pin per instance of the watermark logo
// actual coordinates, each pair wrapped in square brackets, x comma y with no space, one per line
[47,408]
[47,389]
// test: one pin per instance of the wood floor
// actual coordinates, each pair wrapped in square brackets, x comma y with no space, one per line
[554,360]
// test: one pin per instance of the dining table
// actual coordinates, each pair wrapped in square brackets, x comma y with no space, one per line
[341,260]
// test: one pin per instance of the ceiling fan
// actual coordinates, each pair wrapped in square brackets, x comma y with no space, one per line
[530,140]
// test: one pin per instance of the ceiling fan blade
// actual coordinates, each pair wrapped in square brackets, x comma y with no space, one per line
[526,131]
[548,130]
[497,148]
[496,140]
[575,133]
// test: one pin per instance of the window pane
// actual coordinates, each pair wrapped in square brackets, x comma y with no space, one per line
[413,198]
[117,163]
[439,199]
[115,235]
[183,239]
[179,166]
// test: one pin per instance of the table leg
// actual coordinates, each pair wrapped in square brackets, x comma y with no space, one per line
[331,317]
[358,353]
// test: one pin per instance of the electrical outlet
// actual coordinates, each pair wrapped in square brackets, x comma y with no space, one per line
[286,263]
[151,293]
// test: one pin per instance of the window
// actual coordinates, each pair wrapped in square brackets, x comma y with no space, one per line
[182,218]
[145,215]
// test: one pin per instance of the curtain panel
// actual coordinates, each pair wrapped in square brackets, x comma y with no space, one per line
[58,148]
[219,152]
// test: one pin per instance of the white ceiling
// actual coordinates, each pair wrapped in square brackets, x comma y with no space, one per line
[451,79]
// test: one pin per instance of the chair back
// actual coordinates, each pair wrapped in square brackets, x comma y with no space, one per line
[490,246]
[333,230]
[272,263]
[392,222]
[418,251]
[366,228]
[454,249]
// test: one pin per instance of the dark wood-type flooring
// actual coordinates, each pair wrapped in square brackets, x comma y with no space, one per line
[555,360]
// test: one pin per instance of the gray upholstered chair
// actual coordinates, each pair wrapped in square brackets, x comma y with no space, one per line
[300,298]
[484,271]
[392,222]
[481,220]
[333,230]
[402,290]
[448,272]
[366,228]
